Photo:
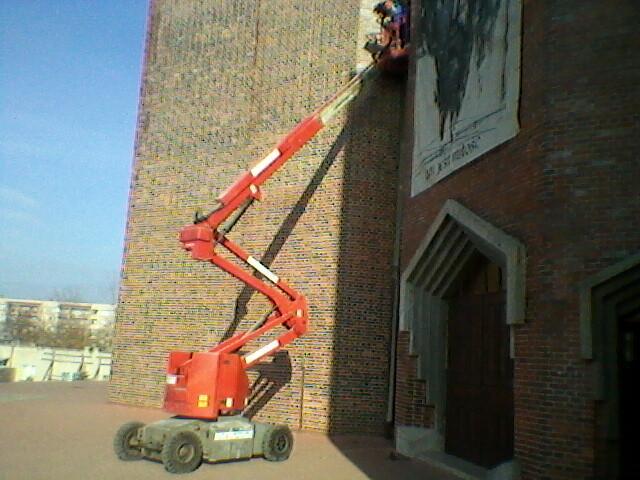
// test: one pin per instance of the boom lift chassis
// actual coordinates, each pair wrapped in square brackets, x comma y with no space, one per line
[208,390]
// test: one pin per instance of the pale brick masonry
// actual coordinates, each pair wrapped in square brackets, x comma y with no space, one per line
[222,82]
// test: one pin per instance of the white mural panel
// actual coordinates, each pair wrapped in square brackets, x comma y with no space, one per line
[467,83]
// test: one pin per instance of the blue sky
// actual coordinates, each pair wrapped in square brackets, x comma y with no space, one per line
[69,83]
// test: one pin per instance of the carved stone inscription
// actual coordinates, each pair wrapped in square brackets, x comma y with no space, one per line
[467,83]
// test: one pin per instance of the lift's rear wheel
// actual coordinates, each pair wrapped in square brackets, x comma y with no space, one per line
[277,443]
[182,452]
[124,443]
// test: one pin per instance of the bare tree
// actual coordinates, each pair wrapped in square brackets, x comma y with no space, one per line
[67,294]
[102,339]
[114,288]
[25,328]
[70,335]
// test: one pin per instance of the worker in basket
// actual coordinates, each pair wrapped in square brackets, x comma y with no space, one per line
[392,16]
[390,46]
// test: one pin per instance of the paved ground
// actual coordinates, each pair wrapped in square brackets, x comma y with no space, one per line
[64,430]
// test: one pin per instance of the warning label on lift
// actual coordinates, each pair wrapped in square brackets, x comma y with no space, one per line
[234,435]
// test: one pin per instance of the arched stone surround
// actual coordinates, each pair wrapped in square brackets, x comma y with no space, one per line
[452,240]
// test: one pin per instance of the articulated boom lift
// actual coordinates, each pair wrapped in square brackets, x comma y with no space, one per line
[208,390]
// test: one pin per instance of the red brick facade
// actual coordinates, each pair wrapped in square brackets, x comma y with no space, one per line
[566,188]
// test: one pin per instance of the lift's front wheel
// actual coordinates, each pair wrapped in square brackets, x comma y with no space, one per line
[182,452]
[277,443]
[125,442]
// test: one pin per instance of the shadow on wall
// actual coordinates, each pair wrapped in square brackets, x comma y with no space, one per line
[276,374]
[358,387]
[272,376]
[365,283]
[285,230]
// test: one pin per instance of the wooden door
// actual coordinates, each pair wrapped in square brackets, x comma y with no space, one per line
[479,413]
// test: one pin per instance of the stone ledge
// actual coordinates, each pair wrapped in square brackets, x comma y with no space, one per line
[427,444]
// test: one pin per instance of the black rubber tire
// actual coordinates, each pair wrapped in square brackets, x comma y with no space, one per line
[122,442]
[182,452]
[277,443]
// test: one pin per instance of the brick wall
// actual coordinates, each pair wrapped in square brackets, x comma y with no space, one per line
[410,396]
[222,82]
[566,188]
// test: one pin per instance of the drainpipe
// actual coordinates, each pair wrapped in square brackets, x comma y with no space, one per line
[396,272]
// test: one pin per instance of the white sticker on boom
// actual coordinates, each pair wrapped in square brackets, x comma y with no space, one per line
[261,351]
[234,435]
[265,162]
[262,269]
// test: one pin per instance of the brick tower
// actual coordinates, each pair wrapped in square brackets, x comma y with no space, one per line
[222,82]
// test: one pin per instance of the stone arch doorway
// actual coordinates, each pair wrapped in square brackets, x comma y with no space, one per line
[610,341]
[459,248]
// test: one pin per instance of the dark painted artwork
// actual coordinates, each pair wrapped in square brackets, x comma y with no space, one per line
[467,83]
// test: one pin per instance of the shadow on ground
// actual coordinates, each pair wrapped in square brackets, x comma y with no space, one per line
[64,430]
